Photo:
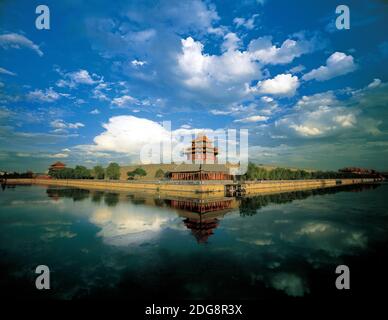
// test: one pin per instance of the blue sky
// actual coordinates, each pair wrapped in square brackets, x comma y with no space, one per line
[97,85]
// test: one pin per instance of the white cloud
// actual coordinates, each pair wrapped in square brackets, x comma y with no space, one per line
[95,111]
[209,71]
[17,41]
[336,65]
[7,72]
[318,115]
[297,69]
[246,23]
[220,112]
[307,131]
[49,95]
[73,79]
[59,125]
[374,84]
[257,118]
[282,85]
[225,76]
[124,101]
[231,42]
[99,92]
[188,15]
[58,155]
[138,63]
[128,134]
[264,51]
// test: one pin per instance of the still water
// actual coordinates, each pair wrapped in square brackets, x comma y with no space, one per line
[108,245]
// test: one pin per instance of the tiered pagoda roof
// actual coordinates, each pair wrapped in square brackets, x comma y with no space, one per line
[202,149]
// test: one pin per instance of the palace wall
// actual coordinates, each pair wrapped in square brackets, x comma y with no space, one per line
[194,188]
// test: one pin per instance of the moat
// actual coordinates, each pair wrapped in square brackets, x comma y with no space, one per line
[132,245]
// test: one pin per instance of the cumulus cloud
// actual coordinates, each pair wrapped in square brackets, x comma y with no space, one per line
[73,79]
[129,135]
[246,23]
[257,118]
[297,69]
[60,125]
[281,85]
[95,111]
[374,84]
[48,95]
[206,71]
[59,155]
[7,72]
[336,65]
[17,41]
[124,101]
[228,73]
[263,50]
[188,15]
[231,41]
[138,63]
[317,116]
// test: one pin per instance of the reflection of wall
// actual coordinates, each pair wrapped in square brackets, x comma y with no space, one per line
[250,205]
[201,206]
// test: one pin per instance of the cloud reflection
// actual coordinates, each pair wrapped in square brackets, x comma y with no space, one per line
[128,224]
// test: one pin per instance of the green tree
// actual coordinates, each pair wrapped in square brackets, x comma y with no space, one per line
[159,174]
[137,172]
[99,172]
[81,172]
[113,171]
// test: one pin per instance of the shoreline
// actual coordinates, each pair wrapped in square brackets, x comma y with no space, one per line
[194,188]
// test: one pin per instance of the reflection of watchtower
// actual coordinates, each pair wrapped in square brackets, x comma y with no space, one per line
[202,149]
[201,206]
[202,215]
[201,228]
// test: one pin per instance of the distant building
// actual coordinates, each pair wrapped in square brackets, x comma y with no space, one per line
[201,172]
[57,166]
[357,170]
[202,150]
[204,156]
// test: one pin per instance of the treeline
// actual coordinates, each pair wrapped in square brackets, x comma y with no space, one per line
[17,175]
[255,172]
[112,172]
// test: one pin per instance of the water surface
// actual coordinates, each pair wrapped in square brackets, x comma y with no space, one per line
[106,244]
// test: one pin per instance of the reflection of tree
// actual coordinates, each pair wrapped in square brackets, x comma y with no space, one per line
[132,198]
[75,194]
[111,199]
[250,206]
[160,202]
[97,196]
[138,201]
